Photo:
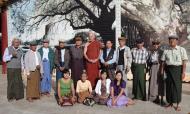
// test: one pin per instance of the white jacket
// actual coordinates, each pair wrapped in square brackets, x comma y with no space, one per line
[98,86]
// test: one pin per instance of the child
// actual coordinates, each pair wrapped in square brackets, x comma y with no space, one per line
[66,92]
[84,88]
[102,89]
[118,96]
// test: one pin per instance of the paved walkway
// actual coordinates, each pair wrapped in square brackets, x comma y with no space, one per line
[47,105]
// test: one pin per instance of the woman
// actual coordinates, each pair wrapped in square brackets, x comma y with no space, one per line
[118,96]
[66,91]
[84,88]
[102,89]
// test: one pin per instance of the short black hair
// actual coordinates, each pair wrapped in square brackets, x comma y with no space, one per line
[103,71]
[66,71]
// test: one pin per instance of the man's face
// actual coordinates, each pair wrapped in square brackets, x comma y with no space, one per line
[78,43]
[172,42]
[61,45]
[33,48]
[16,43]
[156,45]
[140,45]
[122,42]
[109,44]
[91,36]
[46,44]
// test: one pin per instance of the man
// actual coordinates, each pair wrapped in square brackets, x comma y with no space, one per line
[92,54]
[61,60]
[33,67]
[140,56]
[156,85]
[77,60]
[13,57]
[124,57]
[174,63]
[108,59]
[47,55]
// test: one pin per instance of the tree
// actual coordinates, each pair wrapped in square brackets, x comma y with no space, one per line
[97,15]
[162,17]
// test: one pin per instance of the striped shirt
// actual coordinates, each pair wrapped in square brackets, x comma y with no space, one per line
[139,56]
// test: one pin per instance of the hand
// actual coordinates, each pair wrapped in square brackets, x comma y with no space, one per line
[84,70]
[106,64]
[90,60]
[127,70]
[113,102]
[28,77]
[61,68]
[60,100]
[183,76]
[38,67]
[73,99]
[14,54]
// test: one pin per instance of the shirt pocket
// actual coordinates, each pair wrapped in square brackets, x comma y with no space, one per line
[177,57]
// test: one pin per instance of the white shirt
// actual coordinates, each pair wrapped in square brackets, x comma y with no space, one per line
[174,56]
[154,56]
[99,84]
[45,53]
[62,55]
[36,58]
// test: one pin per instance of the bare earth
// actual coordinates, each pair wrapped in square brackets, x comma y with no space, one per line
[48,105]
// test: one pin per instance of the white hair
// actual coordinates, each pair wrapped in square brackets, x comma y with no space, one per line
[14,39]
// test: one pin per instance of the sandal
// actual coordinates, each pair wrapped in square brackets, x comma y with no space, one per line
[168,106]
[178,108]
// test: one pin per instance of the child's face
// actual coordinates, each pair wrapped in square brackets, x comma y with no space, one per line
[104,75]
[67,75]
[118,76]
[84,77]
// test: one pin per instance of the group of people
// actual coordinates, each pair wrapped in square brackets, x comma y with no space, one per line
[98,72]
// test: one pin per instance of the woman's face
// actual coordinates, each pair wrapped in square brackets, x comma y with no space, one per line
[118,76]
[104,76]
[84,77]
[67,75]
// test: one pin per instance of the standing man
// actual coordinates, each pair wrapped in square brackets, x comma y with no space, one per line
[47,55]
[61,61]
[124,57]
[156,85]
[174,62]
[108,60]
[13,57]
[77,60]
[92,54]
[140,56]
[33,67]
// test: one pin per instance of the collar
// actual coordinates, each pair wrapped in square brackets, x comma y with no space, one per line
[122,47]
[141,48]
[176,47]
[108,49]
[15,48]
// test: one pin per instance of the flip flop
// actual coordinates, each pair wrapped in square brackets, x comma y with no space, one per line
[178,108]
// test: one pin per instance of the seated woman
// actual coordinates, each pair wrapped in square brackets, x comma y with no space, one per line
[84,88]
[102,89]
[118,96]
[66,92]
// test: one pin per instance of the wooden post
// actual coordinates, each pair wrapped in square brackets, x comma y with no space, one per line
[118,21]
[4,39]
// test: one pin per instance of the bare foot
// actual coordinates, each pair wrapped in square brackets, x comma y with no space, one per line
[178,108]
[30,100]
